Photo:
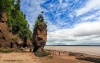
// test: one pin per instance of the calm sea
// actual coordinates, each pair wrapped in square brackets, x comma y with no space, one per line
[93,50]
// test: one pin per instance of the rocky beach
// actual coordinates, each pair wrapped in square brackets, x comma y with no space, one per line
[55,57]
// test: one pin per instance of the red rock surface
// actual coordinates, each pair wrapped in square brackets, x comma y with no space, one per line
[40,36]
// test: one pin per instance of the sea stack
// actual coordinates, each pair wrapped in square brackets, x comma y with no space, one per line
[39,36]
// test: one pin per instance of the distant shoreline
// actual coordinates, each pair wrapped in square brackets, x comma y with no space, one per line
[72,45]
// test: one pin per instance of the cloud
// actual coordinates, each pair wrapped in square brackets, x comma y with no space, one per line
[60,1]
[69,22]
[51,26]
[82,33]
[88,28]
[90,5]
[88,17]
[32,9]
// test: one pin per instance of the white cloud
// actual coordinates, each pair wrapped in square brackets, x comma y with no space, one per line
[51,26]
[63,4]
[88,17]
[92,17]
[32,9]
[60,1]
[87,28]
[71,15]
[82,33]
[90,5]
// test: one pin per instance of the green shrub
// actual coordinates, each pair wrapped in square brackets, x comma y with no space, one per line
[7,50]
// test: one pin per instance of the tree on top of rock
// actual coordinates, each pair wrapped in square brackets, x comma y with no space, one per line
[40,17]
[40,20]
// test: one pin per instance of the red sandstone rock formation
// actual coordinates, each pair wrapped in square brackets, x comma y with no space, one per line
[3,30]
[28,42]
[39,36]
[39,39]
[5,35]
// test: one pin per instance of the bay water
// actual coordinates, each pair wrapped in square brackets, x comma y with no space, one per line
[92,50]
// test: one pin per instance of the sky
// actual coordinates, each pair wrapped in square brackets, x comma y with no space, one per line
[69,22]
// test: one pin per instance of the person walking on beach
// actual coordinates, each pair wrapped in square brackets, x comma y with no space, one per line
[59,53]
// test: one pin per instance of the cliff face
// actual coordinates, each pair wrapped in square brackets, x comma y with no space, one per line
[5,34]
[39,36]
[4,38]
[7,39]
[4,17]
[28,42]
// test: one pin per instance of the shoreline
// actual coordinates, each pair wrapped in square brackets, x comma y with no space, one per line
[75,55]
[91,50]
[62,52]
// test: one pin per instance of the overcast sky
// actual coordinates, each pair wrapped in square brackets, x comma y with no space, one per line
[70,22]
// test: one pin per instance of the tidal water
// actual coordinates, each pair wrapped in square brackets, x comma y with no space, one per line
[92,50]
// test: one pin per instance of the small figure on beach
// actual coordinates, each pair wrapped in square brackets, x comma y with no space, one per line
[59,53]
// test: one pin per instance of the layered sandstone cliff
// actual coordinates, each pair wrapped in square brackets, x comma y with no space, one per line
[6,37]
